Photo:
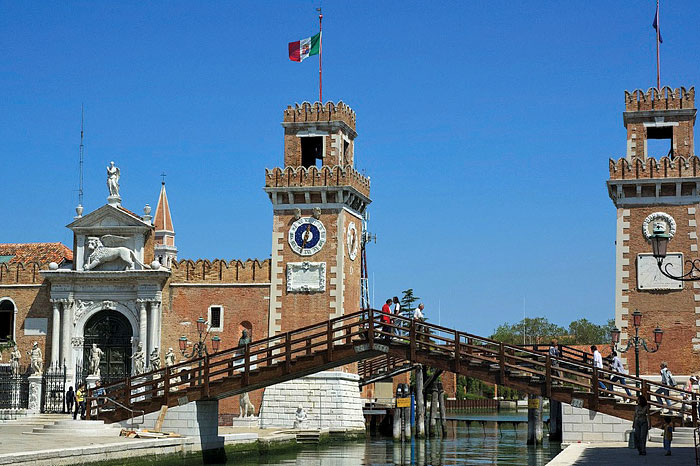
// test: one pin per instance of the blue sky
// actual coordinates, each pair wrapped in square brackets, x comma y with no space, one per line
[486,128]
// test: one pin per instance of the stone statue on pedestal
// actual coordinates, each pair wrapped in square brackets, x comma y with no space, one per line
[113,180]
[170,358]
[15,356]
[246,406]
[95,357]
[300,418]
[139,358]
[37,359]
[155,359]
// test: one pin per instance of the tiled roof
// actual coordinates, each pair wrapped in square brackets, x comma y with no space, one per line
[35,252]
[162,219]
[129,212]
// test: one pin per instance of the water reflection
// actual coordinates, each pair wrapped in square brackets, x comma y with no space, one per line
[468,441]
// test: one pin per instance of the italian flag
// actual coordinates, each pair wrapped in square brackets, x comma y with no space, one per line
[304,48]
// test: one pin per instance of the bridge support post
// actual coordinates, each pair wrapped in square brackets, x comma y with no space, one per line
[555,420]
[443,420]
[420,402]
[433,410]
[534,420]
[396,430]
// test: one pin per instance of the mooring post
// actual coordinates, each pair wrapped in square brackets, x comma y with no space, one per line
[555,416]
[443,420]
[433,410]
[534,420]
[420,403]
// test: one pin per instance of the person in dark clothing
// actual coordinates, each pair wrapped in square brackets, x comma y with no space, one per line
[70,399]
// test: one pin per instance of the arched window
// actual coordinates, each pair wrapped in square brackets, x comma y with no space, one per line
[7,320]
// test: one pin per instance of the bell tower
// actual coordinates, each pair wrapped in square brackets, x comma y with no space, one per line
[648,190]
[318,199]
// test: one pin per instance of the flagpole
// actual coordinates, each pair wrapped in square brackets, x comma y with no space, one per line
[658,59]
[320,55]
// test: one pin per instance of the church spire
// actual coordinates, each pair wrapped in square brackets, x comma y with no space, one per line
[165,250]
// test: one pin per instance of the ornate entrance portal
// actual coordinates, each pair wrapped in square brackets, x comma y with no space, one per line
[112,333]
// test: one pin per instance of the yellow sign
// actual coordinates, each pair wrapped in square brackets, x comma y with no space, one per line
[403,402]
[533,403]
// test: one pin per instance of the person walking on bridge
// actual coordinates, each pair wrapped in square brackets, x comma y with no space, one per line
[598,362]
[386,320]
[666,379]
[618,367]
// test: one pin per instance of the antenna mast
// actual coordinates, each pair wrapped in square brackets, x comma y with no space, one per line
[82,148]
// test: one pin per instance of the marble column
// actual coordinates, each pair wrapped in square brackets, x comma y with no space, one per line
[143,326]
[66,334]
[55,333]
[155,325]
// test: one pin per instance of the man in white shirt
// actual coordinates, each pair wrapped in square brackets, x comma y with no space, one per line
[618,367]
[418,312]
[598,362]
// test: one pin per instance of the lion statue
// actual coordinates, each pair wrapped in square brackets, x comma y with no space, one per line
[114,250]
[246,406]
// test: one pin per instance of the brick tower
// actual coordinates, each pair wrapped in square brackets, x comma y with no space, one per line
[648,190]
[318,199]
[165,249]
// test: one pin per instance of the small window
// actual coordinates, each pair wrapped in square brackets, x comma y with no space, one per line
[7,320]
[312,151]
[216,318]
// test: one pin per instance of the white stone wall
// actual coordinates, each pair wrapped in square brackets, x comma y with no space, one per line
[582,425]
[332,396]
[198,420]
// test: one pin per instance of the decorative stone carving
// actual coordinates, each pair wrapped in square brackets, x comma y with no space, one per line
[658,219]
[317,213]
[113,176]
[77,342]
[246,406]
[139,358]
[297,213]
[80,308]
[109,305]
[306,276]
[169,358]
[15,356]
[37,359]
[300,418]
[34,402]
[95,357]
[155,359]
[108,248]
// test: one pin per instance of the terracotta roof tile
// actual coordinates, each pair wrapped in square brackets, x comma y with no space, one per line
[36,252]
[162,219]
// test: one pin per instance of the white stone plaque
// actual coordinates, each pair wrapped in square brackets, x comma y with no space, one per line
[649,277]
[306,276]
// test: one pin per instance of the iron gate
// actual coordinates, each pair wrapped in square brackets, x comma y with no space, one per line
[54,388]
[14,390]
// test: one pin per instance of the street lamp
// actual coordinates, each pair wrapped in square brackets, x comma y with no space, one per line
[659,246]
[636,340]
[199,348]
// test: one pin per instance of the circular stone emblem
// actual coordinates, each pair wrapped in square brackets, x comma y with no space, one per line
[352,240]
[658,219]
[307,236]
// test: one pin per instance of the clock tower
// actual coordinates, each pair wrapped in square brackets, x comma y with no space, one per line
[318,199]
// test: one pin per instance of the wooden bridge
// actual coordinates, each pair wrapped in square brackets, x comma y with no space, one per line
[402,343]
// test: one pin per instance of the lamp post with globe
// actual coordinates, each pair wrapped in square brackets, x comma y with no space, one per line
[636,340]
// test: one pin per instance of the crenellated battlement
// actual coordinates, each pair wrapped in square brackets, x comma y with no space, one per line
[330,111]
[220,271]
[665,98]
[325,176]
[665,167]
[22,273]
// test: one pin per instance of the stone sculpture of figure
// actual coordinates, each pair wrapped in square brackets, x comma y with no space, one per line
[246,406]
[14,361]
[113,180]
[300,417]
[95,357]
[155,359]
[36,358]
[170,358]
[245,338]
[139,358]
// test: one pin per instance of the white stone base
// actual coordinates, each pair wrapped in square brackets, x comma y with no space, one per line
[582,425]
[198,420]
[331,400]
[9,414]
[251,422]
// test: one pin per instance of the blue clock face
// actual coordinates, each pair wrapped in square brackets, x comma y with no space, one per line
[307,236]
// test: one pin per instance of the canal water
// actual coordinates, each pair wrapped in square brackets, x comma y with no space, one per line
[483,438]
